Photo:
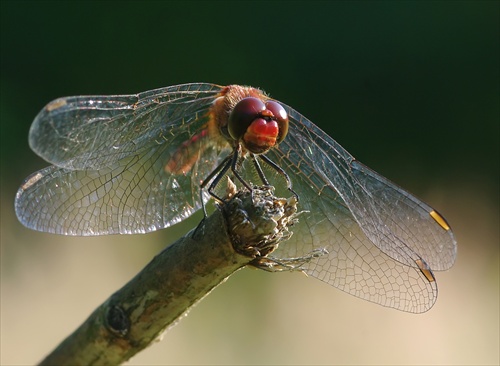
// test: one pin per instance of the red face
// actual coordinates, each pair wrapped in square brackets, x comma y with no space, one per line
[258,125]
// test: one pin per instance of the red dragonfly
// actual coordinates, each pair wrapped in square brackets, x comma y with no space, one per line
[131,164]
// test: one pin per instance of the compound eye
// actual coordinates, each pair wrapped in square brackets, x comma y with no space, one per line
[243,114]
[281,117]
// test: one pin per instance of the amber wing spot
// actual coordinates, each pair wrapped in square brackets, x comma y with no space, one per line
[31,180]
[426,271]
[56,104]
[440,220]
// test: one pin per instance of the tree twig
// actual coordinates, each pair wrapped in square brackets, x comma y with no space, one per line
[243,231]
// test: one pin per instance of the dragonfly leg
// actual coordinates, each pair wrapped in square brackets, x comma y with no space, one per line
[214,178]
[259,171]
[234,169]
[218,173]
[279,169]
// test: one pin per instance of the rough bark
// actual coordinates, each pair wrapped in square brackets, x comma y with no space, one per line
[243,231]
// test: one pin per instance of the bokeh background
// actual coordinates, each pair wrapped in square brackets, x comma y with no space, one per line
[409,88]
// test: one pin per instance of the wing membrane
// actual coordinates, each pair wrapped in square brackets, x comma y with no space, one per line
[112,174]
[93,132]
[133,194]
[380,239]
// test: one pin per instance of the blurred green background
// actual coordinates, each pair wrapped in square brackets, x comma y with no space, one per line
[409,88]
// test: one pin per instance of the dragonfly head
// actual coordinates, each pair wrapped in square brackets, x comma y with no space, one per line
[259,125]
[246,116]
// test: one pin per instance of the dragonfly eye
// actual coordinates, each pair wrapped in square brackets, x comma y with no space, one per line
[242,116]
[258,125]
[281,117]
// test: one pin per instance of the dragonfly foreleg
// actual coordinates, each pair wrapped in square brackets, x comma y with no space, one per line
[279,169]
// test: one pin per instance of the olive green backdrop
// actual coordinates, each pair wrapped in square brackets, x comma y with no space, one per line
[409,88]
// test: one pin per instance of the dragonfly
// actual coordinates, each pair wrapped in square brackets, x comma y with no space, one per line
[131,164]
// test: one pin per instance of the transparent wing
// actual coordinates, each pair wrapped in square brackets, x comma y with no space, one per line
[92,132]
[120,183]
[382,242]
[114,160]
[134,195]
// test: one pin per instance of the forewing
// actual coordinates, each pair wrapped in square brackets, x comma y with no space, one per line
[134,194]
[94,132]
[381,241]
